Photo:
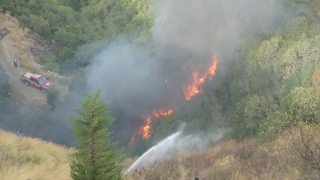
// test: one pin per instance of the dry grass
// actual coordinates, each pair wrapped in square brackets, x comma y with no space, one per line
[23,43]
[232,159]
[24,157]
[19,37]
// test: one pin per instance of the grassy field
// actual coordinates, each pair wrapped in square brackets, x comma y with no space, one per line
[23,158]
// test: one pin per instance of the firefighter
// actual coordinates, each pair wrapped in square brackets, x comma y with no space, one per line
[15,63]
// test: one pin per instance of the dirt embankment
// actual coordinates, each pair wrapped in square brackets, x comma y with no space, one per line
[18,43]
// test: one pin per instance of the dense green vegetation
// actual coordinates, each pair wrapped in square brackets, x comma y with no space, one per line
[75,23]
[272,83]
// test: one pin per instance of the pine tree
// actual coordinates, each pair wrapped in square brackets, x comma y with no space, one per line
[97,157]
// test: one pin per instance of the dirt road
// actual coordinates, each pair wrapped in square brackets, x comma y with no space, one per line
[13,44]
[25,96]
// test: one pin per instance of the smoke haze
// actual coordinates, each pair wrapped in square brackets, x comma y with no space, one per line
[186,35]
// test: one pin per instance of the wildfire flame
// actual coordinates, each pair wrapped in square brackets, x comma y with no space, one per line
[194,88]
[189,91]
[162,112]
[213,67]
[157,113]
[145,130]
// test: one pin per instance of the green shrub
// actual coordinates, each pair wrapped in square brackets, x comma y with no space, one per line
[38,23]
[65,54]
[49,60]
[64,38]
[52,97]
[24,20]
[295,28]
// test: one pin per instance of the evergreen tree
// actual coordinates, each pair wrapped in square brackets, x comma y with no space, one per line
[96,158]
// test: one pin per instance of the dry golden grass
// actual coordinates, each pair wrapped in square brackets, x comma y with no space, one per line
[19,37]
[241,160]
[24,157]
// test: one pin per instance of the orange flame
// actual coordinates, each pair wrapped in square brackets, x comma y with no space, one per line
[145,130]
[189,91]
[194,88]
[212,69]
[162,112]
[157,113]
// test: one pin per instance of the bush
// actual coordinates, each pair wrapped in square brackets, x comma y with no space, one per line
[24,20]
[65,54]
[49,60]
[64,38]
[52,97]
[38,23]
[295,28]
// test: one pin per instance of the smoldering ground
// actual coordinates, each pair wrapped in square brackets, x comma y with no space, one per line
[186,35]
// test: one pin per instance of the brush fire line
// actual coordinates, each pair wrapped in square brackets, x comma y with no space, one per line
[194,88]
[189,90]
[145,130]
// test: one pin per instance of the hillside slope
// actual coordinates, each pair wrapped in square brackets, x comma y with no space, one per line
[8,49]
[24,158]
[295,154]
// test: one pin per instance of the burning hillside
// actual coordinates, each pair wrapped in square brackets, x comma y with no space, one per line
[156,114]
[198,79]
[137,82]
[190,90]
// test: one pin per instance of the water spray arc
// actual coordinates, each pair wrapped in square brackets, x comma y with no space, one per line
[154,153]
[175,143]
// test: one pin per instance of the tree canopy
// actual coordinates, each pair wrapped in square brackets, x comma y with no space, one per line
[96,156]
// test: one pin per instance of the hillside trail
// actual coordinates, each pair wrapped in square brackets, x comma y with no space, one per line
[26,97]
[23,96]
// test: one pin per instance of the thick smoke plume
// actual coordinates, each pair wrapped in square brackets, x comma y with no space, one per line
[186,35]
